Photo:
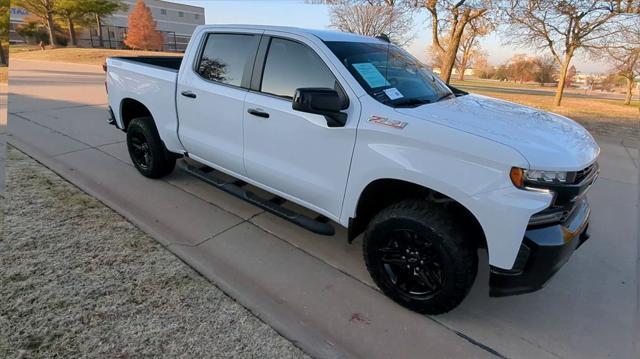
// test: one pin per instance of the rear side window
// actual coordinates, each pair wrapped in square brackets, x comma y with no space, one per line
[226,58]
[291,65]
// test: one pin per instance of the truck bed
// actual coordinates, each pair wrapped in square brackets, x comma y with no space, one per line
[151,82]
[167,62]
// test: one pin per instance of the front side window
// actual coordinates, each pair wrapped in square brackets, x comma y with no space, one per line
[390,74]
[180,14]
[291,65]
[226,57]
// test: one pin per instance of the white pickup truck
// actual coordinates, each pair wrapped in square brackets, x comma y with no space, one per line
[363,134]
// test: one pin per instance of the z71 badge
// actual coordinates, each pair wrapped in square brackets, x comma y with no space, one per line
[387,122]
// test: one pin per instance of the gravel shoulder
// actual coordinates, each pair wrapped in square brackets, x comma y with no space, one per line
[77,280]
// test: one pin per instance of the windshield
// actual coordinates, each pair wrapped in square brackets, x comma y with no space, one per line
[389,74]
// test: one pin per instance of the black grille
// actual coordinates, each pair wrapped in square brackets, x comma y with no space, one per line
[582,174]
[567,194]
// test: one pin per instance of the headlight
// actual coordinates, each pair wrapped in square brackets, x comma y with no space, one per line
[522,177]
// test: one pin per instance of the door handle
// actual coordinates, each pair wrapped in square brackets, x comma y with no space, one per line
[258,112]
[189,94]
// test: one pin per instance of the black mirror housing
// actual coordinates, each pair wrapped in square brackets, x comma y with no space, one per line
[320,101]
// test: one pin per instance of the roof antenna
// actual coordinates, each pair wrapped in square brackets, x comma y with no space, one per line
[383,37]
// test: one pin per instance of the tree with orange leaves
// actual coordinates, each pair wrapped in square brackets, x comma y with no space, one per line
[142,33]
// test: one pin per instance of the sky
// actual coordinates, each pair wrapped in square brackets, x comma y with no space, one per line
[297,13]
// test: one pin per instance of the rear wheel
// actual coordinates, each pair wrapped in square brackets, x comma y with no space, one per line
[418,258]
[146,149]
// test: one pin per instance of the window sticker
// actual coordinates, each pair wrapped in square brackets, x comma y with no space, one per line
[371,75]
[393,93]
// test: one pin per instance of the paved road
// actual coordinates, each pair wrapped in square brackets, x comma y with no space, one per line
[313,289]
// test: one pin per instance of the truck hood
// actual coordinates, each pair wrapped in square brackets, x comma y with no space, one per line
[546,140]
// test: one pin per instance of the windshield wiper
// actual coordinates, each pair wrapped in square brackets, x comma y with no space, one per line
[444,97]
[410,102]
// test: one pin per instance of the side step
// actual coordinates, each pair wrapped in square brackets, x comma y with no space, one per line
[319,225]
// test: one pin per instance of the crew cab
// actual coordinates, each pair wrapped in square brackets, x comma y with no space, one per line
[361,133]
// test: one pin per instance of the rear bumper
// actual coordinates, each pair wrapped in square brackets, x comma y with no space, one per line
[111,119]
[543,252]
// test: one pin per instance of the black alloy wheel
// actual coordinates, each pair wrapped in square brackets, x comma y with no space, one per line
[140,151]
[418,255]
[412,264]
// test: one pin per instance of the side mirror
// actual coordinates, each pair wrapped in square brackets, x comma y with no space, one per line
[320,101]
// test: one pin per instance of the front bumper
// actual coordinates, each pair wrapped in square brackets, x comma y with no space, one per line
[543,252]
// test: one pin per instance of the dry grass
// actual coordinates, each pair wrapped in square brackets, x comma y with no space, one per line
[79,281]
[78,55]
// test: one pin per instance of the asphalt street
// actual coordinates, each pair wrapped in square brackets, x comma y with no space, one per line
[315,290]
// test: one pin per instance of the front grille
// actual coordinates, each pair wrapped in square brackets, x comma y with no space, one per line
[582,174]
[566,196]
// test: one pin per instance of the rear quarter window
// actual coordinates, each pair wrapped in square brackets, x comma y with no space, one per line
[227,58]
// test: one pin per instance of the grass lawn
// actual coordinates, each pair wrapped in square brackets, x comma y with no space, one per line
[77,55]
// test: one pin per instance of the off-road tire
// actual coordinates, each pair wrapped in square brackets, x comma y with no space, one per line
[158,162]
[458,256]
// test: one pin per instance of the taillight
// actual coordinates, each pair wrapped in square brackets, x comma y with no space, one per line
[106,86]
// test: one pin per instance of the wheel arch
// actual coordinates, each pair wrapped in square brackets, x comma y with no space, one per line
[383,192]
[131,108]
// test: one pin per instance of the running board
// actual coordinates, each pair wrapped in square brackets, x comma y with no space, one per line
[318,225]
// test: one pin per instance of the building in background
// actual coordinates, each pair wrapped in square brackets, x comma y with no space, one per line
[16,17]
[175,21]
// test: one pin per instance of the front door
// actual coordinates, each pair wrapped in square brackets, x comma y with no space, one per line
[293,152]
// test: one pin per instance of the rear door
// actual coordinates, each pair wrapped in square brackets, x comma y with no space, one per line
[210,98]
[296,153]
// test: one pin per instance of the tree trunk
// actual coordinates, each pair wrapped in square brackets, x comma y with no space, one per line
[99,23]
[72,31]
[3,57]
[50,27]
[564,69]
[462,68]
[449,61]
[450,56]
[627,99]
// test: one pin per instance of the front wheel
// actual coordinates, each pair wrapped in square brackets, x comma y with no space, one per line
[146,149]
[418,257]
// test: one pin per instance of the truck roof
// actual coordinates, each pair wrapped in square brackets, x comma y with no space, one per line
[324,35]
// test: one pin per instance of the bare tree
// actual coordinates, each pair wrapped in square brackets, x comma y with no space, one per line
[449,19]
[622,51]
[482,68]
[470,49]
[546,69]
[374,17]
[562,27]
[521,68]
